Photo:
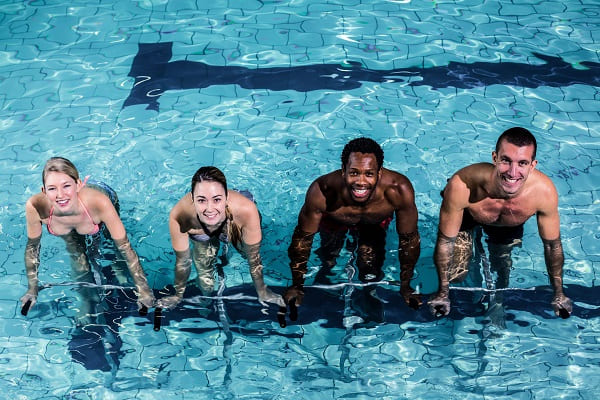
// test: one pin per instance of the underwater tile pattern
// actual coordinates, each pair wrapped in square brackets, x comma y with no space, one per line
[438,105]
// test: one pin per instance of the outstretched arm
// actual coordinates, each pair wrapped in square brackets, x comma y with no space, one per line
[111,219]
[302,239]
[252,253]
[32,255]
[409,242]
[456,195]
[183,258]
[548,221]
[250,249]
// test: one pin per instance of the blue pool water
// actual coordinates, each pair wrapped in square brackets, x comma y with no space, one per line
[139,94]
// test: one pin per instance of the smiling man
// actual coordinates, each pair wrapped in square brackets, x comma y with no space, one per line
[499,198]
[362,199]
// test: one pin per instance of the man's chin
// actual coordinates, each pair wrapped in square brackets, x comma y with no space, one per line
[511,190]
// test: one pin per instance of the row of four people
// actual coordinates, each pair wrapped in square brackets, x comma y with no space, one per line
[361,199]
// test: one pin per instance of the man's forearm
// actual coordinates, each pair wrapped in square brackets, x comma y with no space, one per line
[299,253]
[409,250]
[554,257]
[442,256]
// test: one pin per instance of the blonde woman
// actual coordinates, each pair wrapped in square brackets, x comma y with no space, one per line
[75,210]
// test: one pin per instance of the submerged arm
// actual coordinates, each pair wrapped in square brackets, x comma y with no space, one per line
[109,215]
[183,266]
[554,257]
[409,249]
[145,296]
[251,237]
[32,252]
[409,241]
[309,219]
[456,195]
[252,254]
[32,263]
[548,221]
[299,253]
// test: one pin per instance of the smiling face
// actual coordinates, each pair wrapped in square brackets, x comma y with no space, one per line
[210,200]
[361,174]
[61,190]
[513,165]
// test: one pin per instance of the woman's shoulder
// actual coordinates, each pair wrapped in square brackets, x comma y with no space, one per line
[183,211]
[40,204]
[93,198]
[241,207]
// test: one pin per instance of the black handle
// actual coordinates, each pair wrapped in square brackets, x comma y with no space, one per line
[25,308]
[157,318]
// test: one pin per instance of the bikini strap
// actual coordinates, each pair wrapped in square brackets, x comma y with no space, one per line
[50,221]
[85,210]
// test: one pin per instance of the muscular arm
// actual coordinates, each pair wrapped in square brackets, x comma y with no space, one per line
[456,199]
[549,229]
[548,221]
[302,239]
[409,242]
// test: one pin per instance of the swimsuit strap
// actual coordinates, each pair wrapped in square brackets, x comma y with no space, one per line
[50,221]
[85,210]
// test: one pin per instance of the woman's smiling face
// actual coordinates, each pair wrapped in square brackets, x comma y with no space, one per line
[210,200]
[61,190]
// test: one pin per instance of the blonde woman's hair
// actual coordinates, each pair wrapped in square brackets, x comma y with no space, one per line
[60,164]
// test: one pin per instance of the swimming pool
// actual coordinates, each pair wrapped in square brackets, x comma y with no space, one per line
[433,82]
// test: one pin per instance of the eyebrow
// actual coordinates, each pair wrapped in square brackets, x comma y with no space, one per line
[521,160]
[360,169]
[199,196]
[58,184]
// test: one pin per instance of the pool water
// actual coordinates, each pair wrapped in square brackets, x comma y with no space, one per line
[140,94]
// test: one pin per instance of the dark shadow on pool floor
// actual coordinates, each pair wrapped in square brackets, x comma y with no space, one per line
[327,308]
[155,74]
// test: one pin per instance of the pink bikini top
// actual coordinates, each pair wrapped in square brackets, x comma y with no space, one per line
[85,210]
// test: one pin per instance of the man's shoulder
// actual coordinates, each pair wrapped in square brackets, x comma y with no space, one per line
[394,180]
[332,179]
[542,183]
[474,174]
[475,169]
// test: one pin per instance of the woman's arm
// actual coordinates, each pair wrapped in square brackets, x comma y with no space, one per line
[183,260]
[32,252]
[246,213]
[101,205]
